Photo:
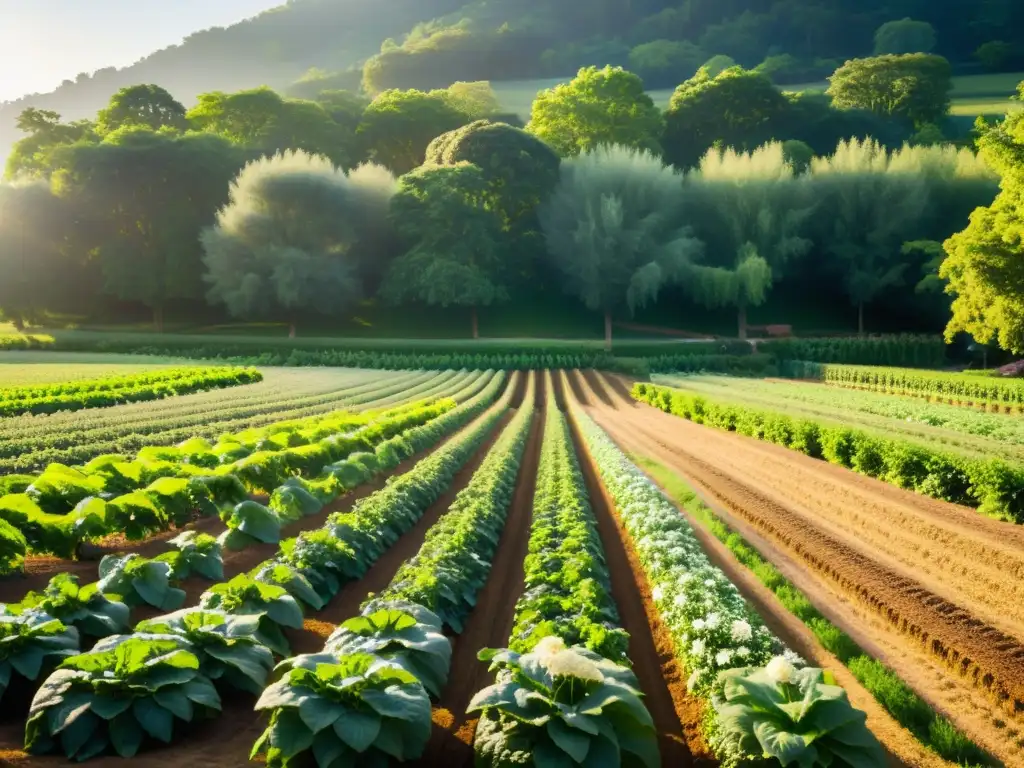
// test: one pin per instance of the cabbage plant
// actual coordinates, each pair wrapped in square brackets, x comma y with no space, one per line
[30,641]
[568,705]
[86,608]
[791,715]
[353,710]
[197,553]
[225,645]
[243,596]
[292,579]
[406,634]
[118,697]
[137,580]
[250,523]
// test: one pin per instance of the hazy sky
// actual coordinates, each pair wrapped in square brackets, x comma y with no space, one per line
[43,42]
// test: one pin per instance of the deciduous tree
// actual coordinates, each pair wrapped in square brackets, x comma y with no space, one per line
[616,229]
[398,126]
[915,87]
[905,36]
[32,156]
[149,106]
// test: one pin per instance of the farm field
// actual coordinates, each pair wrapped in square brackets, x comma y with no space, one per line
[423,517]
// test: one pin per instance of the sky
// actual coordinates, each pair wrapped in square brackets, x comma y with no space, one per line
[43,42]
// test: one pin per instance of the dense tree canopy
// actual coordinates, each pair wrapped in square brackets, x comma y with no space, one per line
[905,36]
[599,106]
[149,106]
[915,87]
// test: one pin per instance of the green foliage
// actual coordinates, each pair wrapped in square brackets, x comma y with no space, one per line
[599,106]
[250,522]
[85,608]
[199,554]
[913,86]
[226,645]
[565,704]
[131,691]
[397,127]
[30,642]
[13,546]
[245,596]
[792,716]
[345,710]
[137,581]
[147,105]
[904,350]
[905,36]
[666,63]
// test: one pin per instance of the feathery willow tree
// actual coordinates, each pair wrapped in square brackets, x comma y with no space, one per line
[614,227]
[287,241]
[752,211]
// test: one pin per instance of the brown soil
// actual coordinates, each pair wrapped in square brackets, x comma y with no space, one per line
[677,716]
[491,621]
[914,604]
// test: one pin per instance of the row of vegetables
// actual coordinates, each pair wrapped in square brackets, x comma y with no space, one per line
[133,687]
[114,390]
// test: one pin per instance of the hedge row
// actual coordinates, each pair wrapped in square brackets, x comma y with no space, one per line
[992,485]
[906,350]
[10,341]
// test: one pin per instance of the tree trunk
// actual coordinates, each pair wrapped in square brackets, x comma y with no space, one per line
[860,319]
[475,322]
[742,319]
[19,322]
[607,331]
[292,330]
[158,317]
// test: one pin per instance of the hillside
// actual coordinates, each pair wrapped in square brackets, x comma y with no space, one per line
[411,43]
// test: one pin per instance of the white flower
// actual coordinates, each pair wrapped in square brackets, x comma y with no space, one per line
[743,651]
[656,594]
[741,631]
[548,647]
[697,649]
[723,657]
[686,578]
[780,670]
[709,582]
[680,600]
[569,663]
[698,624]
[712,620]
[793,658]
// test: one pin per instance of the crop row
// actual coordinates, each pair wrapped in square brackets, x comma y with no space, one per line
[395,649]
[31,442]
[565,622]
[134,687]
[943,385]
[991,484]
[949,427]
[114,390]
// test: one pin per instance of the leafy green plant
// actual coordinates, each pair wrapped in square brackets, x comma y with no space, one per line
[225,645]
[405,633]
[133,689]
[567,706]
[351,710]
[250,523]
[198,553]
[84,607]
[30,640]
[13,546]
[137,580]
[791,715]
[244,596]
[293,579]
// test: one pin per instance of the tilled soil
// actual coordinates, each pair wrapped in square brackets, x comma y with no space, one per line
[832,533]
[226,740]
[490,623]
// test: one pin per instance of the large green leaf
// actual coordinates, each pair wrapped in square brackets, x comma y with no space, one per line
[319,713]
[573,742]
[358,729]
[401,703]
[154,719]
[126,735]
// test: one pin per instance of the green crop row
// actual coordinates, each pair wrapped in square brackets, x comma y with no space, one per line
[930,728]
[992,485]
[100,393]
[907,351]
[13,341]
[959,387]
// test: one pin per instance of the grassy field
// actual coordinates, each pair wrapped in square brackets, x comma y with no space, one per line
[973,95]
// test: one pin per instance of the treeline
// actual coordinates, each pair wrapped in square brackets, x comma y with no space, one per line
[280,209]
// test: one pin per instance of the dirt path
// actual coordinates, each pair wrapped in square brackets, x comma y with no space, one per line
[677,716]
[225,741]
[490,623]
[794,514]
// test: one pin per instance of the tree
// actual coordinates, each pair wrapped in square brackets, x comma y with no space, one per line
[261,120]
[285,244]
[599,106]
[867,211]
[798,154]
[145,197]
[737,109]
[32,156]
[398,126]
[905,36]
[475,100]
[454,250]
[984,265]
[35,272]
[752,212]
[914,87]
[666,63]
[615,228]
[141,105]
[996,55]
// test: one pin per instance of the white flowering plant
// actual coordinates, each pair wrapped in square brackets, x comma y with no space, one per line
[563,706]
[793,716]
